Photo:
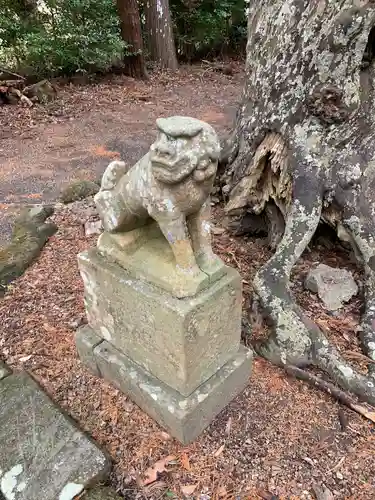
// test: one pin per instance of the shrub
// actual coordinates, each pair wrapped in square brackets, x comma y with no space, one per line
[60,36]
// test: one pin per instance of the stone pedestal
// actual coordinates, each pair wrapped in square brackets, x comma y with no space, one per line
[179,359]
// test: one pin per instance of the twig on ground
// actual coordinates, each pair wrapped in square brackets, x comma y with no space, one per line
[331,389]
[4,70]
[359,355]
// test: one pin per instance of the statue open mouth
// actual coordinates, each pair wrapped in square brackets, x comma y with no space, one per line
[163,163]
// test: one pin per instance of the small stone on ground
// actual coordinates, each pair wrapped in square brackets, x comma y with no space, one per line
[334,286]
[93,227]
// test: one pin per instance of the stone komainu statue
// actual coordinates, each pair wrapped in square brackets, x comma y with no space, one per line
[171,185]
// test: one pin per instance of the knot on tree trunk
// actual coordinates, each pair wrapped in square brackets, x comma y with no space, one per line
[326,102]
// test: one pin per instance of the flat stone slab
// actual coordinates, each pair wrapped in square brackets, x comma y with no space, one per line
[43,455]
[182,342]
[183,417]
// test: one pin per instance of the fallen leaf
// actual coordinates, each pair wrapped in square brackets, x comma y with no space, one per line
[165,436]
[228,426]
[217,231]
[153,472]
[25,358]
[102,151]
[33,196]
[308,460]
[188,489]
[219,451]
[185,461]
[155,488]
[222,491]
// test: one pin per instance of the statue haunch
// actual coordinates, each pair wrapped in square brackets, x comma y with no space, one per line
[170,184]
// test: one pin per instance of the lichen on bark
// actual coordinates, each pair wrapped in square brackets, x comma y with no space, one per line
[304,144]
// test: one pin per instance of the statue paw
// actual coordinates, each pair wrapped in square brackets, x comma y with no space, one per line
[211,265]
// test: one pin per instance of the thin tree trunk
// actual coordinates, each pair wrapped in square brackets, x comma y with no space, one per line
[132,35]
[160,34]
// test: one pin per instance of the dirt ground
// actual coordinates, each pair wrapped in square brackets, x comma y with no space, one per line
[280,438]
[76,136]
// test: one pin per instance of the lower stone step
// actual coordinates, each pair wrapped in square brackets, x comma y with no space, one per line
[183,417]
[43,455]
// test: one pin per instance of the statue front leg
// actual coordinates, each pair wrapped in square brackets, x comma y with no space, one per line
[189,278]
[200,234]
[175,231]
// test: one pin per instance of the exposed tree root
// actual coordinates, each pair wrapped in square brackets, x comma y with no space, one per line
[303,151]
[331,389]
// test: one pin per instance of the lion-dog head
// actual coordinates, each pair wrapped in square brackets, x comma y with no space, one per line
[184,146]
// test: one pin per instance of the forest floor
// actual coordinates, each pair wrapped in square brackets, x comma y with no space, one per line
[280,438]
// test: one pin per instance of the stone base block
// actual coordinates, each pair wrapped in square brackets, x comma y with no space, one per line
[183,417]
[182,342]
[86,341]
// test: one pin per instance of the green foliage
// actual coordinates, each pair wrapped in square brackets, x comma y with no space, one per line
[45,38]
[62,37]
[209,27]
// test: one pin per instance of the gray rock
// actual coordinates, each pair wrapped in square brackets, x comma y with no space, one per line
[78,190]
[333,285]
[93,227]
[84,209]
[43,455]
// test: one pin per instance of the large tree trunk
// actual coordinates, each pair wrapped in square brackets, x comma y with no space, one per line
[160,33]
[132,35]
[303,150]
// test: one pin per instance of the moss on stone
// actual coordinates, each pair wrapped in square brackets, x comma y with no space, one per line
[78,190]
[101,493]
[30,234]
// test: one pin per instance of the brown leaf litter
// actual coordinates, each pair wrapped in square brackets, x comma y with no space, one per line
[279,439]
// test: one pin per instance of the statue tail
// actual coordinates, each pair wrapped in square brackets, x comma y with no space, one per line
[107,201]
[112,174]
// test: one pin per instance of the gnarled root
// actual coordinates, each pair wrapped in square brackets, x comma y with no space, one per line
[296,340]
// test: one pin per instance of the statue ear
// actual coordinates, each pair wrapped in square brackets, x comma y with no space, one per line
[209,169]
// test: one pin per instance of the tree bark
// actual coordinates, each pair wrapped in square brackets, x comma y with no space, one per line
[304,144]
[132,35]
[160,34]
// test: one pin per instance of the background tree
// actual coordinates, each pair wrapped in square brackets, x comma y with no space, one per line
[303,152]
[59,37]
[159,33]
[132,35]
[84,35]
[207,28]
